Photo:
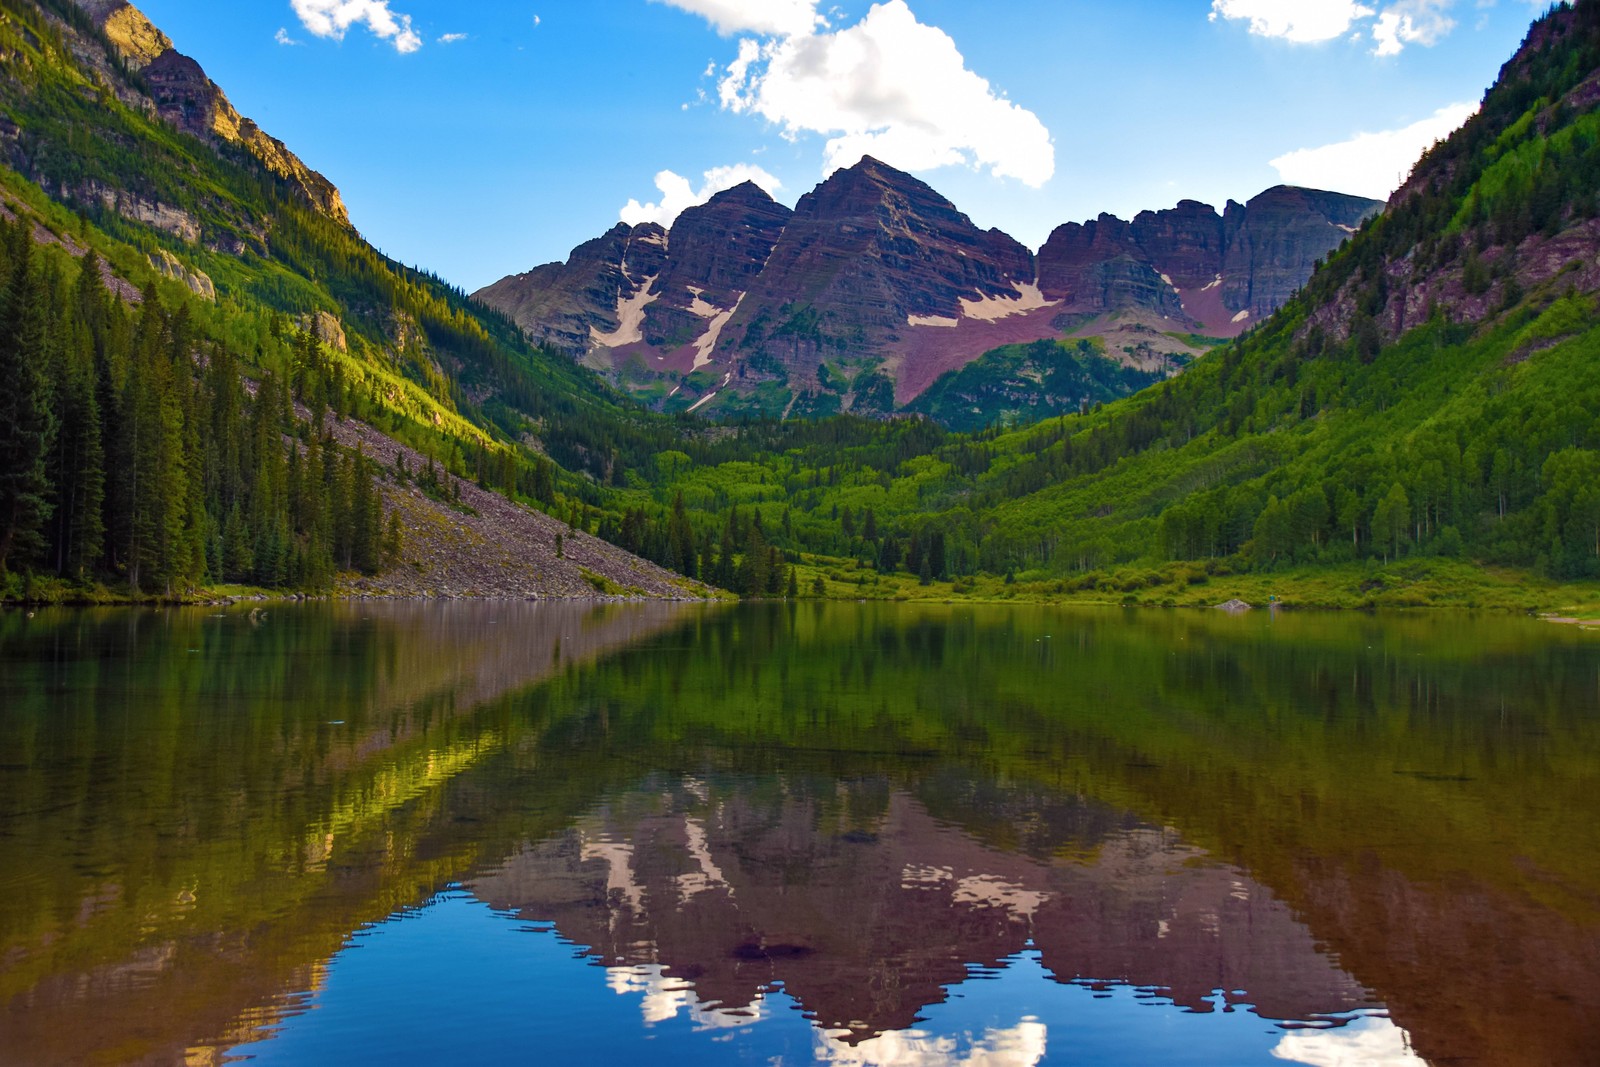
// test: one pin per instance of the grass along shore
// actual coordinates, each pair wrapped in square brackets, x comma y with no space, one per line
[1406,584]
[1409,583]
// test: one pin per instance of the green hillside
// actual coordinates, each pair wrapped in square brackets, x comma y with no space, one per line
[1024,383]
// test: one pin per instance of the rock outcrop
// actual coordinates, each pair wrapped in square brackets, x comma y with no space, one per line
[1215,274]
[1533,237]
[1099,266]
[1275,241]
[722,246]
[870,256]
[198,281]
[188,100]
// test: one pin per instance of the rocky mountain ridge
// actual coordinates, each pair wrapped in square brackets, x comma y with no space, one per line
[185,98]
[875,286]
[629,289]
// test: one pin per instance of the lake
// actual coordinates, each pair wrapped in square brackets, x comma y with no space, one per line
[853,834]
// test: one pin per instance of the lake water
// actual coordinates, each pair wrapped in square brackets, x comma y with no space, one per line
[464,833]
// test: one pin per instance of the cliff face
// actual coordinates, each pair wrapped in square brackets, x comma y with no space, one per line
[1099,266]
[721,246]
[1274,241]
[184,97]
[573,306]
[1216,274]
[872,247]
[876,285]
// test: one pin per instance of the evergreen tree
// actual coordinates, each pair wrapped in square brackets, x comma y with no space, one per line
[26,427]
[78,459]
[681,540]
[393,542]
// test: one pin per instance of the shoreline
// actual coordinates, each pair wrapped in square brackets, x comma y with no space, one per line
[1582,621]
[1422,584]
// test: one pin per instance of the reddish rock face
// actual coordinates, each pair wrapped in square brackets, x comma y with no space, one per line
[1215,273]
[562,305]
[1188,242]
[1099,266]
[873,245]
[721,246]
[639,288]
[872,260]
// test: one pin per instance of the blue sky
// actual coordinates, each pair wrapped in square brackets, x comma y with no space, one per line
[481,139]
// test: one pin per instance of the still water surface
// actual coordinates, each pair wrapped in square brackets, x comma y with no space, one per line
[834,833]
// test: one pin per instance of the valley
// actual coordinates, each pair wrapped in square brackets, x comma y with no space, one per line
[1300,385]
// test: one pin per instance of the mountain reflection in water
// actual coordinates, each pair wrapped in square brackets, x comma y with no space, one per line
[876,834]
[865,909]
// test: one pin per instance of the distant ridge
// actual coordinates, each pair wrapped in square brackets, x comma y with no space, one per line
[875,286]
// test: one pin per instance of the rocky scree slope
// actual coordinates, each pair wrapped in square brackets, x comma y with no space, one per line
[486,546]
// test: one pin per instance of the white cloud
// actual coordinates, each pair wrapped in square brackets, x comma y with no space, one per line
[889,87]
[282,36]
[333,18]
[1411,22]
[1023,1045]
[1302,21]
[1370,164]
[1399,23]
[677,194]
[770,18]
[1364,1042]
[452,38]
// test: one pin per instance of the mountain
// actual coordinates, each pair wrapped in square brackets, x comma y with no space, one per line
[1422,404]
[205,359]
[630,293]
[101,113]
[1415,425]
[876,286]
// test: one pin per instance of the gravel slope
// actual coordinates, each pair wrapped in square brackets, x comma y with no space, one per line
[503,551]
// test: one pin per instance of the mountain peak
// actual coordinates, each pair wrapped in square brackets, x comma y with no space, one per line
[126,27]
[746,191]
[876,171]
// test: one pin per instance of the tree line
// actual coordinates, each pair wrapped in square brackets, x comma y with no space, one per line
[135,453]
